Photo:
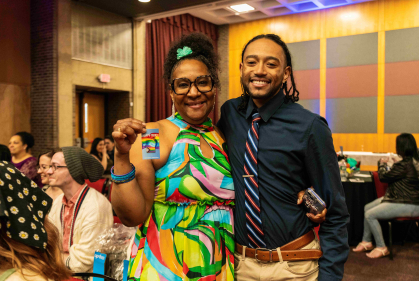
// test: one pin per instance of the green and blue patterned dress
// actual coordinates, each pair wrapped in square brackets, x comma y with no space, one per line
[189,234]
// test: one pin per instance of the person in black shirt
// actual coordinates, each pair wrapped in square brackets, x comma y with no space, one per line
[400,200]
[295,151]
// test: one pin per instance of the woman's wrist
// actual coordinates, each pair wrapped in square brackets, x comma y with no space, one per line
[123,178]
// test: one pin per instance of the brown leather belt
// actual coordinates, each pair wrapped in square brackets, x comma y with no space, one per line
[289,252]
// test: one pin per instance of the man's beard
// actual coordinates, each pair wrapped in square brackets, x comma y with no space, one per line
[268,95]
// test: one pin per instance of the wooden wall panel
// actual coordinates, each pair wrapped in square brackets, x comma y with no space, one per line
[351,20]
[401,14]
[368,17]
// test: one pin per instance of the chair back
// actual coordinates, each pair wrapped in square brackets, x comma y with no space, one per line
[380,187]
[98,185]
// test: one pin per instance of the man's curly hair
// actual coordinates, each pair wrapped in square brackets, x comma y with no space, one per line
[291,93]
[202,50]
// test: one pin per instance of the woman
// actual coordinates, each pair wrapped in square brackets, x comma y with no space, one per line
[401,198]
[19,146]
[29,242]
[98,150]
[183,200]
[44,163]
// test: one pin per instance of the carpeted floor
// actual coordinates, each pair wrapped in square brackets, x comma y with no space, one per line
[404,266]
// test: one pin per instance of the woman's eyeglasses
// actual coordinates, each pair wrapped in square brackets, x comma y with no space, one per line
[46,167]
[182,86]
[43,167]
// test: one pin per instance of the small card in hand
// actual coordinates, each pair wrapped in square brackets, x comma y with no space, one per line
[312,202]
[151,144]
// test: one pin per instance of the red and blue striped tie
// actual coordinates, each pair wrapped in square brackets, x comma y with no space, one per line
[253,221]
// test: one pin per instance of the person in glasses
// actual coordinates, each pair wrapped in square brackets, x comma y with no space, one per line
[80,213]
[44,163]
[182,202]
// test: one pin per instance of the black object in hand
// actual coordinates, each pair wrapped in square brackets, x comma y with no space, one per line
[312,202]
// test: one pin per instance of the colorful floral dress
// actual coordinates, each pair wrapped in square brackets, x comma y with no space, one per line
[189,234]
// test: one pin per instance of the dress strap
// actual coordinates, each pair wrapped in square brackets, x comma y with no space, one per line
[177,122]
[7,273]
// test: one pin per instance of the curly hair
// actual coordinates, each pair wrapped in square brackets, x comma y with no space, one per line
[48,264]
[289,96]
[27,139]
[202,50]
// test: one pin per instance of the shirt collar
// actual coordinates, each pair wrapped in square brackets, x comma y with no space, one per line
[73,199]
[268,109]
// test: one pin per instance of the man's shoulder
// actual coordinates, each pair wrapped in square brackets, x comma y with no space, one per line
[303,115]
[232,103]
[95,197]
[57,203]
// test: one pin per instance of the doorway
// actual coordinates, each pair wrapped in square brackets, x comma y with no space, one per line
[97,110]
[91,123]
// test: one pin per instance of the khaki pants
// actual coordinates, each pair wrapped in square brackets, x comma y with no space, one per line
[249,269]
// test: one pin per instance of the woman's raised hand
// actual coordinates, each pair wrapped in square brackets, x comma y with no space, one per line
[125,133]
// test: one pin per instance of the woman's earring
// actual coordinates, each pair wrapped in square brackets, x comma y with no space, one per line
[173,108]
[214,102]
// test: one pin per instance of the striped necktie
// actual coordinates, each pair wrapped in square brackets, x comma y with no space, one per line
[253,221]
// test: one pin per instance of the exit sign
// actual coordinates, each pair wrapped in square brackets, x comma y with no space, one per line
[104,78]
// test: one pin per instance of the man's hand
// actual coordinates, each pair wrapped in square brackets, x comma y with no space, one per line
[319,218]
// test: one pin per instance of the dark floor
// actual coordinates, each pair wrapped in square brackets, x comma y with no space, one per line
[404,266]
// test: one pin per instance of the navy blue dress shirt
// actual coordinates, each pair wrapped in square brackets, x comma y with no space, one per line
[295,152]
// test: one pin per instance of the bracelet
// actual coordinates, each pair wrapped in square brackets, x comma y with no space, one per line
[123,178]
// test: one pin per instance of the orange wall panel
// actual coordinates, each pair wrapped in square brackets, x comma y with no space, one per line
[351,20]
[401,14]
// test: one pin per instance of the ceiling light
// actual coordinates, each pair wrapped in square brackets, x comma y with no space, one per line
[243,8]
[144,1]
[349,16]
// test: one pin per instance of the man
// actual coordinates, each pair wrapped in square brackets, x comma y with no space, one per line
[80,213]
[277,149]
[110,146]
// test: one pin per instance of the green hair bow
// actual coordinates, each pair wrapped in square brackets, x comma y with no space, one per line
[183,52]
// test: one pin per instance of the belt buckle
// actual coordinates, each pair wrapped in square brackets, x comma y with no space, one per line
[263,249]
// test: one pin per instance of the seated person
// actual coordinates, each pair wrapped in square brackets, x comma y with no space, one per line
[81,213]
[29,243]
[98,150]
[19,146]
[401,198]
[44,163]
[110,147]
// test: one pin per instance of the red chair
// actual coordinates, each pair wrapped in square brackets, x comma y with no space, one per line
[98,185]
[411,220]
[380,187]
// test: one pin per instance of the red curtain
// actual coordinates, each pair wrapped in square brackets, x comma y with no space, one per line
[159,35]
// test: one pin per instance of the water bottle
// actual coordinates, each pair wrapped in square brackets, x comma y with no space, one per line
[342,168]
